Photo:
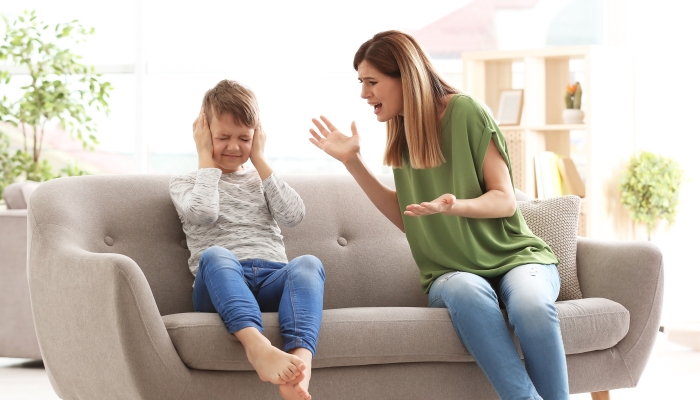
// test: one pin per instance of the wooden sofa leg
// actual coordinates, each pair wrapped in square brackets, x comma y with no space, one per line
[601,395]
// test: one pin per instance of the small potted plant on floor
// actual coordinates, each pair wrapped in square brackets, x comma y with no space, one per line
[573,113]
[650,190]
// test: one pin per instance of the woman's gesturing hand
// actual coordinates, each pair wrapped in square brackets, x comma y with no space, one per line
[440,205]
[338,145]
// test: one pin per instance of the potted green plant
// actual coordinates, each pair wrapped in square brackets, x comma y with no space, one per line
[572,98]
[650,190]
[59,89]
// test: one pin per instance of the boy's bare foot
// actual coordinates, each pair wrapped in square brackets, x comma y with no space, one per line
[300,390]
[272,364]
[275,366]
[294,392]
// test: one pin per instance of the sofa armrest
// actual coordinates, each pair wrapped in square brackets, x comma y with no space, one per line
[629,273]
[98,326]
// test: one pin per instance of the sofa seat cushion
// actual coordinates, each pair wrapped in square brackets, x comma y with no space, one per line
[383,335]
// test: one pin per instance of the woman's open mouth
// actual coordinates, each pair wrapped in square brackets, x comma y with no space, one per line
[377,108]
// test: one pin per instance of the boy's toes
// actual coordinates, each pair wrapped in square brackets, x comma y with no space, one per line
[297,379]
[303,393]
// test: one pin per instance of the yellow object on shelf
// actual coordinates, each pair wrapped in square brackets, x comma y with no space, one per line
[547,175]
[572,183]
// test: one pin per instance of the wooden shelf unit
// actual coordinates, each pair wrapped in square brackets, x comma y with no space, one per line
[606,76]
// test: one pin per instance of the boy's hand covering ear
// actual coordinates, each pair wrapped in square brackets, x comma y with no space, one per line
[202,136]
[257,151]
[203,141]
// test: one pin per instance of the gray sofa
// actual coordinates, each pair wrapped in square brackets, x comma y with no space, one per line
[17,337]
[111,298]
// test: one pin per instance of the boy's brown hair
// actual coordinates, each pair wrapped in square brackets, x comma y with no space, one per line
[230,97]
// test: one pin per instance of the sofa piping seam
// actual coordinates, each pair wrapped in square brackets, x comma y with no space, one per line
[148,333]
[646,324]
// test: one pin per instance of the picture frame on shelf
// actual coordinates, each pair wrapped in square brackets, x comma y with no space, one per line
[510,107]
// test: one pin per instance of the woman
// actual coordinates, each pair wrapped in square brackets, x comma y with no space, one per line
[455,201]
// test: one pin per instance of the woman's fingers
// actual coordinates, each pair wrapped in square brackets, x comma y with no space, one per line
[328,124]
[418,210]
[321,128]
[315,142]
[315,135]
[414,210]
[430,206]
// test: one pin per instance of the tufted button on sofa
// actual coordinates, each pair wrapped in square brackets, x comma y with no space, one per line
[115,320]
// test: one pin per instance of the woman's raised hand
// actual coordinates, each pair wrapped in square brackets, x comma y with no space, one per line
[335,143]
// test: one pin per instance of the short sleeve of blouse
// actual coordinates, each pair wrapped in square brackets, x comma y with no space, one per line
[481,128]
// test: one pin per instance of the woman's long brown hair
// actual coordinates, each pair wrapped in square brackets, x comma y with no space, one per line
[399,55]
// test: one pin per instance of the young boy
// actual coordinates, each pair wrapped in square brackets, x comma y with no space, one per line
[229,213]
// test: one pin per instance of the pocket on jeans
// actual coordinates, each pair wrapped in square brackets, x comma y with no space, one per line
[434,296]
[445,277]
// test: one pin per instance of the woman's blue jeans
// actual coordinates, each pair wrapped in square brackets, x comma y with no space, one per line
[240,290]
[528,293]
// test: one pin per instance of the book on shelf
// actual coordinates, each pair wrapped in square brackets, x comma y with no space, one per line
[571,180]
[547,178]
[556,176]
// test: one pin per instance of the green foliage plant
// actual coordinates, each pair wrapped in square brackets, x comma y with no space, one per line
[650,190]
[60,89]
[10,164]
[18,165]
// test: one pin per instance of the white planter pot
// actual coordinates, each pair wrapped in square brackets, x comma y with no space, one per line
[573,116]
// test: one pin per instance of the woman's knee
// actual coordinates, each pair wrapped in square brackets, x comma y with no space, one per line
[464,287]
[531,313]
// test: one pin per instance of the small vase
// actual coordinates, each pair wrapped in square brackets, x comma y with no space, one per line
[573,116]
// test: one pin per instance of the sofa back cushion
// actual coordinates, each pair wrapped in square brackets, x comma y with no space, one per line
[16,195]
[367,259]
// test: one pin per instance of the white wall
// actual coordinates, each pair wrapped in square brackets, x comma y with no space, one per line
[664,38]
[297,56]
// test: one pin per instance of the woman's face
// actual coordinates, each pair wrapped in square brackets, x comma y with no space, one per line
[383,92]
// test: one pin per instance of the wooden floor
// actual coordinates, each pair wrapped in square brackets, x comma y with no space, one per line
[673,372]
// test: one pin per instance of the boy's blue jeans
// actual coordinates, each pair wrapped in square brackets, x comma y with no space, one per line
[240,290]
[528,292]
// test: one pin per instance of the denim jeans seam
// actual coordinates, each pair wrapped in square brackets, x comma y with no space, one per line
[439,281]
[269,281]
[245,324]
[437,297]
[299,344]
[259,326]
[292,299]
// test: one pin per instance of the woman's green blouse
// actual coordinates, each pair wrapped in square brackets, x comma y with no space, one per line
[488,247]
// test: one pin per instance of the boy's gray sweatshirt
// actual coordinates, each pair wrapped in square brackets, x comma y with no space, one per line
[236,211]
